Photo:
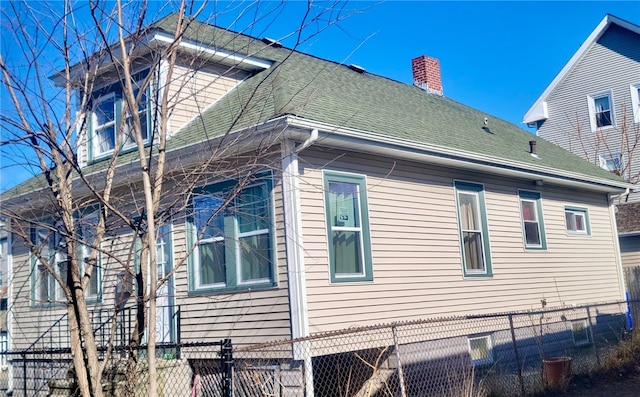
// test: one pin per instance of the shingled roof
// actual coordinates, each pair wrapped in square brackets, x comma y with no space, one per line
[323,91]
[628,218]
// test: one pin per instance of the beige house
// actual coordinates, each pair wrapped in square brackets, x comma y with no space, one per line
[372,201]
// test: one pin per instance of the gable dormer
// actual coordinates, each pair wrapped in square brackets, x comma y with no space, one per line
[209,63]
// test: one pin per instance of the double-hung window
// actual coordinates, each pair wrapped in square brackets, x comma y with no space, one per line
[577,220]
[232,231]
[108,109]
[347,227]
[532,221]
[86,231]
[601,110]
[49,256]
[635,101]
[611,162]
[473,229]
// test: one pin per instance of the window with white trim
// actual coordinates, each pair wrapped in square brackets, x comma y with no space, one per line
[611,162]
[473,229]
[635,101]
[580,332]
[49,255]
[601,110]
[108,108]
[532,220]
[577,220]
[233,234]
[481,349]
[348,235]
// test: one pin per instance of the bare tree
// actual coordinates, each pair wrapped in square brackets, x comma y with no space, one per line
[616,148]
[112,210]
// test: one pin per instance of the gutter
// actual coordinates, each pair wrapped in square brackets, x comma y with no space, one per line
[381,144]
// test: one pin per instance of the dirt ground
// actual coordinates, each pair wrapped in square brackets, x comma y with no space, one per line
[611,384]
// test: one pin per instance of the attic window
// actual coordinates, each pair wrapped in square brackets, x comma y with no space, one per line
[356,68]
[601,110]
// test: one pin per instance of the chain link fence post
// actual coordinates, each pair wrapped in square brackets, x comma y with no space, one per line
[394,331]
[593,341]
[514,341]
[24,374]
[226,356]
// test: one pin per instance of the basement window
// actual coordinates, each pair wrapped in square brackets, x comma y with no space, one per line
[481,349]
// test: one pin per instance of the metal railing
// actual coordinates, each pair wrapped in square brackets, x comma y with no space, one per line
[45,359]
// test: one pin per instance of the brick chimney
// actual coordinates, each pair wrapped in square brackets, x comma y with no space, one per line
[426,74]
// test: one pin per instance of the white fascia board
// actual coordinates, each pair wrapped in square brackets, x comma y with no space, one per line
[629,234]
[538,110]
[158,38]
[242,61]
[411,150]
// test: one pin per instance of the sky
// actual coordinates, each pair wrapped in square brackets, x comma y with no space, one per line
[497,57]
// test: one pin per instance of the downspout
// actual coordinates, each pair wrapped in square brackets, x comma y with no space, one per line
[9,310]
[296,273]
[310,141]
[616,241]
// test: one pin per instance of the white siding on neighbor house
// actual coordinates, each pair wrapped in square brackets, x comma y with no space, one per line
[630,251]
[612,64]
[417,267]
[194,88]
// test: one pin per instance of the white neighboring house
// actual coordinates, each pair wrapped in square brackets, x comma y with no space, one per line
[592,108]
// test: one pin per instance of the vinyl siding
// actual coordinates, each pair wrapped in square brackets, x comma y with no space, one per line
[193,90]
[630,251]
[612,64]
[417,265]
[247,316]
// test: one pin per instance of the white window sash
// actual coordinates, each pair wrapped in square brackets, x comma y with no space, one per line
[478,229]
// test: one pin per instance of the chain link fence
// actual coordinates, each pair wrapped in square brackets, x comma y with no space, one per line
[507,354]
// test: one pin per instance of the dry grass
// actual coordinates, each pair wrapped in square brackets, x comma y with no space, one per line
[625,354]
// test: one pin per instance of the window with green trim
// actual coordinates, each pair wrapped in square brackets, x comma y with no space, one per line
[87,223]
[532,220]
[49,254]
[232,231]
[577,220]
[347,227]
[473,230]
[108,109]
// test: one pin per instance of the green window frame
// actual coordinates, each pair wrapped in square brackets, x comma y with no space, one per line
[232,232]
[87,221]
[107,110]
[50,245]
[348,232]
[577,221]
[473,229]
[533,232]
